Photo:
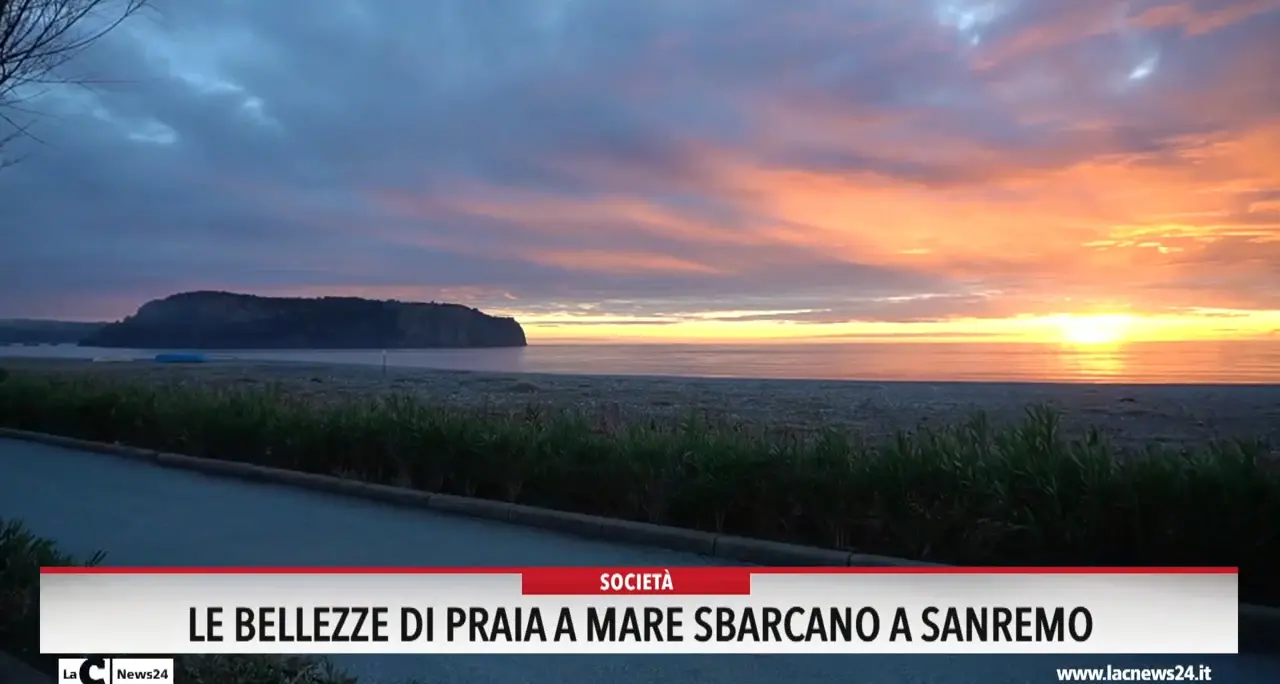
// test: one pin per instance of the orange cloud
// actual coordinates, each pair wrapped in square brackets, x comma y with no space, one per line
[1195,21]
[1089,215]
[617,262]
[1085,19]
[1129,229]
[1116,224]
[548,213]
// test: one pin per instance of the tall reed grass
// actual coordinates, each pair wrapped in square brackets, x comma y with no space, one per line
[967,494]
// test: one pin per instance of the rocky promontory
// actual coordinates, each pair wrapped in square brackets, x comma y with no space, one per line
[226,320]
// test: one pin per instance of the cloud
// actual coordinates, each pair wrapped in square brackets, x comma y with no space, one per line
[822,161]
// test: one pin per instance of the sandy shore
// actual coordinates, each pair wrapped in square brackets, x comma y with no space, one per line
[1128,414]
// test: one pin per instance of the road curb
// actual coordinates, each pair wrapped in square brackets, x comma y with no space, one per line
[596,527]
[1259,625]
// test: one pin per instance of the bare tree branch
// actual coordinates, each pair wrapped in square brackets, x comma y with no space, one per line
[38,37]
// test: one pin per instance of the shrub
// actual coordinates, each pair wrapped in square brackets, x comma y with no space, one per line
[967,494]
[22,554]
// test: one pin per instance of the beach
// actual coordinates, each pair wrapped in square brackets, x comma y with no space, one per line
[1129,415]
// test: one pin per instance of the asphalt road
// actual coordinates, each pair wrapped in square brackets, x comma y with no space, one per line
[145,515]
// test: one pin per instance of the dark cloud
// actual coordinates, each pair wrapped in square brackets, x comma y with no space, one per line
[879,160]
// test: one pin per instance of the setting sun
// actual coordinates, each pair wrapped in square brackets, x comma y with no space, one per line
[1092,330]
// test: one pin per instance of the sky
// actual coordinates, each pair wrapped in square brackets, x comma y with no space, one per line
[671,169]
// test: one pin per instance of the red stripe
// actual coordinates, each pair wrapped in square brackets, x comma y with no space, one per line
[878,570]
[283,570]
[695,581]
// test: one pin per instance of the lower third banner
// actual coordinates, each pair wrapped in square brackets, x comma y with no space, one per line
[638,610]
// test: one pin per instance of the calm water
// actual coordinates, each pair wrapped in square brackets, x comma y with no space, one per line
[1233,362]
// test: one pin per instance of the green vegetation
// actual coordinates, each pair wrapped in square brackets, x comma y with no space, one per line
[258,669]
[969,494]
[22,554]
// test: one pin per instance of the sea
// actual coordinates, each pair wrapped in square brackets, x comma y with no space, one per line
[1198,362]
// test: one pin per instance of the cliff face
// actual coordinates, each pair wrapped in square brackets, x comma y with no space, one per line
[224,320]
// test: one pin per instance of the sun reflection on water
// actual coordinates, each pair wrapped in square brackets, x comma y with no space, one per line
[1098,361]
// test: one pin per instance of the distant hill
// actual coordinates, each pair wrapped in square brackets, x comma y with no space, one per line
[225,320]
[29,331]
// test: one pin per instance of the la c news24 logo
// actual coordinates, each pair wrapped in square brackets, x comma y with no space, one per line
[104,670]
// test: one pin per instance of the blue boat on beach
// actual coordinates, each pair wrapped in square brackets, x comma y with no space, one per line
[177,357]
